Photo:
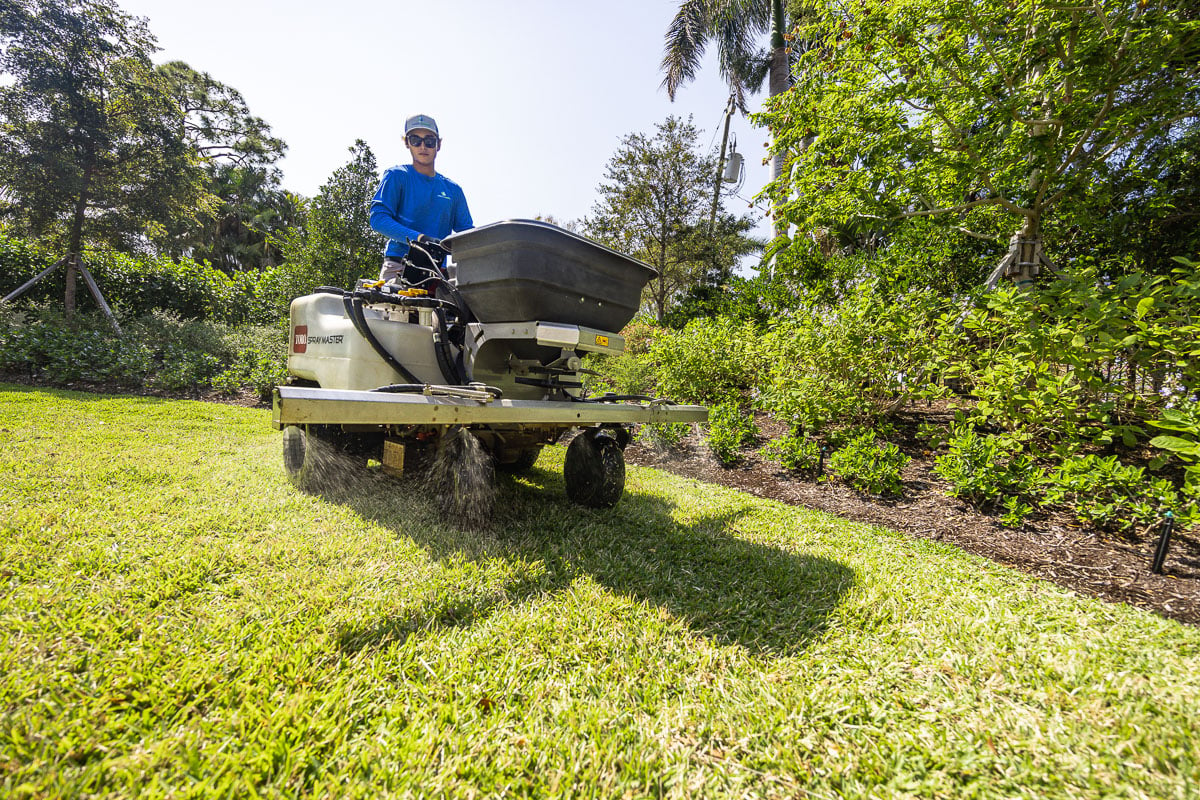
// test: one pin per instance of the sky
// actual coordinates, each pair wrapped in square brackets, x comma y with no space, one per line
[532,97]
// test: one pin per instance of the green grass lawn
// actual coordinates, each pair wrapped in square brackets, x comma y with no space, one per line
[178,620]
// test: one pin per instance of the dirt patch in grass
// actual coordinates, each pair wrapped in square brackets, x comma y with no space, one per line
[1088,561]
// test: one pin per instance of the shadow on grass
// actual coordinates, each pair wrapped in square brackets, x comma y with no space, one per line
[765,599]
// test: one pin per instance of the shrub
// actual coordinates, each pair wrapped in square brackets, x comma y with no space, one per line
[627,373]
[1110,495]
[259,360]
[710,361]
[795,452]
[730,428]
[1015,511]
[136,285]
[159,351]
[855,363]
[40,344]
[985,470]
[934,436]
[870,465]
[640,334]
[664,435]
[1184,440]
[1085,358]
[631,372]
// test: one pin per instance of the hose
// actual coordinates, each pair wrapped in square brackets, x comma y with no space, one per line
[421,388]
[353,306]
[617,398]
[401,388]
[441,349]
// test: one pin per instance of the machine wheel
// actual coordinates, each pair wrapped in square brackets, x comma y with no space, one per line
[524,460]
[594,470]
[463,479]
[306,457]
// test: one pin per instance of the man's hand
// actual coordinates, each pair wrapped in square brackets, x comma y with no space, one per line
[434,247]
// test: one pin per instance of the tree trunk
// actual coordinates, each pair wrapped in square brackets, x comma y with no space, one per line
[1031,248]
[779,79]
[75,244]
[662,278]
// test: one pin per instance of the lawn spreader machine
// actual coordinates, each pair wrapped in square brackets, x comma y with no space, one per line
[453,377]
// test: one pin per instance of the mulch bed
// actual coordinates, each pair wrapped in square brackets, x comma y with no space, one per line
[1090,562]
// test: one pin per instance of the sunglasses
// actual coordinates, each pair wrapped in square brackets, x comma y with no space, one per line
[416,140]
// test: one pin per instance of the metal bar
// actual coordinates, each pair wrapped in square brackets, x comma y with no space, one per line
[20,290]
[95,290]
[551,334]
[294,405]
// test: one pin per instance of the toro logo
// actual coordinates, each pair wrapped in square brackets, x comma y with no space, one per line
[300,339]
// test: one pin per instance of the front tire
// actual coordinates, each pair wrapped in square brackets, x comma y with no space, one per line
[594,470]
[310,458]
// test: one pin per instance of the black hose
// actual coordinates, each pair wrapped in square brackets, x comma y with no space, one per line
[419,388]
[457,299]
[441,349]
[401,388]
[353,306]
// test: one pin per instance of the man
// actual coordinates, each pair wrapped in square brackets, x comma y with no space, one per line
[414,205]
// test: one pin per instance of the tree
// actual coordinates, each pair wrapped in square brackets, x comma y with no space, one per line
[90,144]
[654,206]
[241,231]
[990,116]
[735,26]
[337,245]
[1144,224]
[217,121]
[246,205]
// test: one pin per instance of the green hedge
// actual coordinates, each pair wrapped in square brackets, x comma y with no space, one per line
[157,351]
[139,285]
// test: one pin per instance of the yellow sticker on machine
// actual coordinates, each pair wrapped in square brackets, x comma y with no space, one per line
[602,341]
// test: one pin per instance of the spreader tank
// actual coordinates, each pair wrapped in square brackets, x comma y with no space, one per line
[520,270]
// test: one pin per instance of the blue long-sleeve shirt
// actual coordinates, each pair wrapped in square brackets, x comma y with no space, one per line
[408,204]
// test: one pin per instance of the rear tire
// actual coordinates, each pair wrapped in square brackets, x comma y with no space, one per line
[524,460]
[594,470]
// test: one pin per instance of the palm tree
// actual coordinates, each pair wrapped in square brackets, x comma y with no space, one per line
[735,26]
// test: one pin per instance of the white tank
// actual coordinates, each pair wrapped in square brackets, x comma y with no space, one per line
[327,349]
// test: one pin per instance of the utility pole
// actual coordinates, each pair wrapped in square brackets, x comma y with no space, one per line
[730,107]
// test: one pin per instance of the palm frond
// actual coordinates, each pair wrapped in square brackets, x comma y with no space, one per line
[736,27]
[687,37]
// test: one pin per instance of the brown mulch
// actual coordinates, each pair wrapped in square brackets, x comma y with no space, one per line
[242,397]
[1090,562]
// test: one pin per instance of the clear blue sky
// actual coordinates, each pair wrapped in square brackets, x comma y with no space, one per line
[532,96]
